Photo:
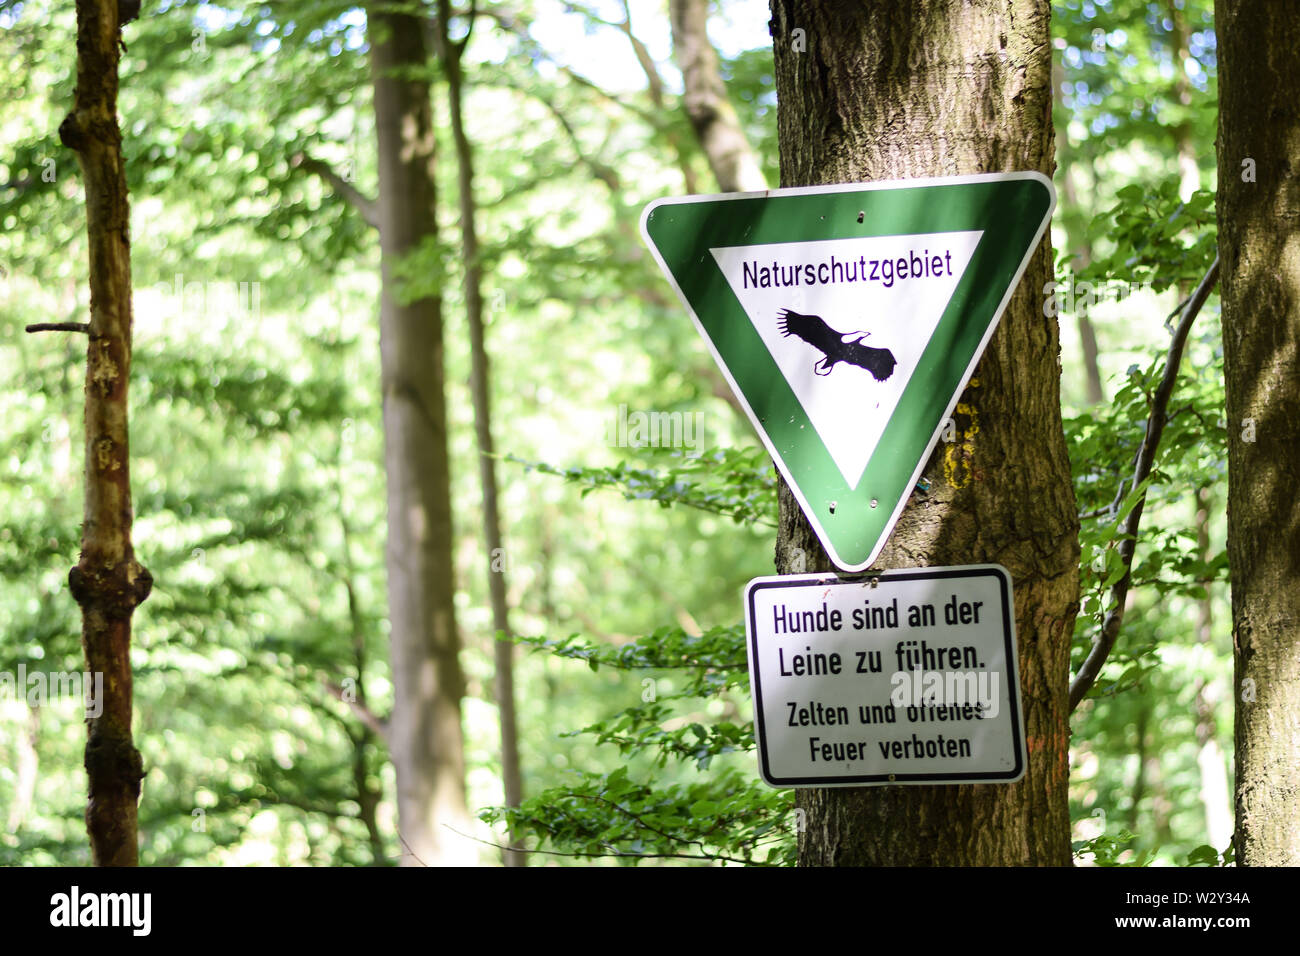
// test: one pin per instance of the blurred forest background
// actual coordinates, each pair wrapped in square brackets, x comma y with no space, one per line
[261,658]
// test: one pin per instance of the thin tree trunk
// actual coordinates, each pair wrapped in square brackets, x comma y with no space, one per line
[929,89]
[730,155]
[1091,352]
[549,611]
[1189,170]
[1140,778]
[1079,249]
[1259,244]
[1087,332]
[425,738]
[26,769]
[710,111]
[107,582]
[368,795]
[1209,758]
[655,87]
[450,53]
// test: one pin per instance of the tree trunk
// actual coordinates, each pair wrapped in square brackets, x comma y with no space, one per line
[707,105]
[362,740]
[1075,220]
[655,87]
[931,89]
[1087,331]
[107,582]
[504,684]
[1259,228]
[26,769]
[1140,777]
[1209,757]
[425,732]
[1189,170]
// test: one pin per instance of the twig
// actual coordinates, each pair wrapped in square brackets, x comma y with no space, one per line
[1097,513]
[362,712]
[411,852]
[616,853]
[358,200]
[1127,532]
[82,327]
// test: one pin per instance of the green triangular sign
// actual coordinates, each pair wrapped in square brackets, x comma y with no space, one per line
[847,320]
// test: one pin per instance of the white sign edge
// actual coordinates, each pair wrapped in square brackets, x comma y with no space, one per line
[808,512]
[830,578]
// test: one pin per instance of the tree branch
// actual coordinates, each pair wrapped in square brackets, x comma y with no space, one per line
[517,29]
[1105,639]
[362,203]
[83,327]
[606,174]
[362,712]
[648,66]
[707,104]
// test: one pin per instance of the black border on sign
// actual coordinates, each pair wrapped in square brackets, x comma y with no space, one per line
[909,574]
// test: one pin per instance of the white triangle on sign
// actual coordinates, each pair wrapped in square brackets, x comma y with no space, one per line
[846,403]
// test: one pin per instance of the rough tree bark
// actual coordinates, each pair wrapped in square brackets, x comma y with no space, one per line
[425,738]
[896,91]
[451,52]
[107,581]
[1259,246]
[712,116]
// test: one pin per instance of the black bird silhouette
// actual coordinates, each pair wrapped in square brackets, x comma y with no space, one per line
[837,347]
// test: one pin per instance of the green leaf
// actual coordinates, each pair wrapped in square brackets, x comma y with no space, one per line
[1204,855]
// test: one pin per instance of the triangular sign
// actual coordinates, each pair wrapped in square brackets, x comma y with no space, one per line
[847,320]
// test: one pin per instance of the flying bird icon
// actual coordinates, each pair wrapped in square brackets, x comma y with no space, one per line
[837,347]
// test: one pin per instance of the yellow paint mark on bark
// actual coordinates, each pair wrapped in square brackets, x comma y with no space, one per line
[104,455]
[958,455]
[103,370]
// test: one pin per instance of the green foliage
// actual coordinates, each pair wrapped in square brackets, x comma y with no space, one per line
[258,460]
[737,483]
[1107,850]
[1160,693]
[1104,443]
[751,86]
[1155,238]
[1206,855]
[723,816]
[726,818]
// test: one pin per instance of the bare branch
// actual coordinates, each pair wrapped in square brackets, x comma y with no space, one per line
[358,200]
[362,712]
[653,77]
[712,115]
[19,186]
[602,171]
[83,327]
[1105,639]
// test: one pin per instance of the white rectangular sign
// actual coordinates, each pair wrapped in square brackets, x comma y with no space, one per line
[907,677]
